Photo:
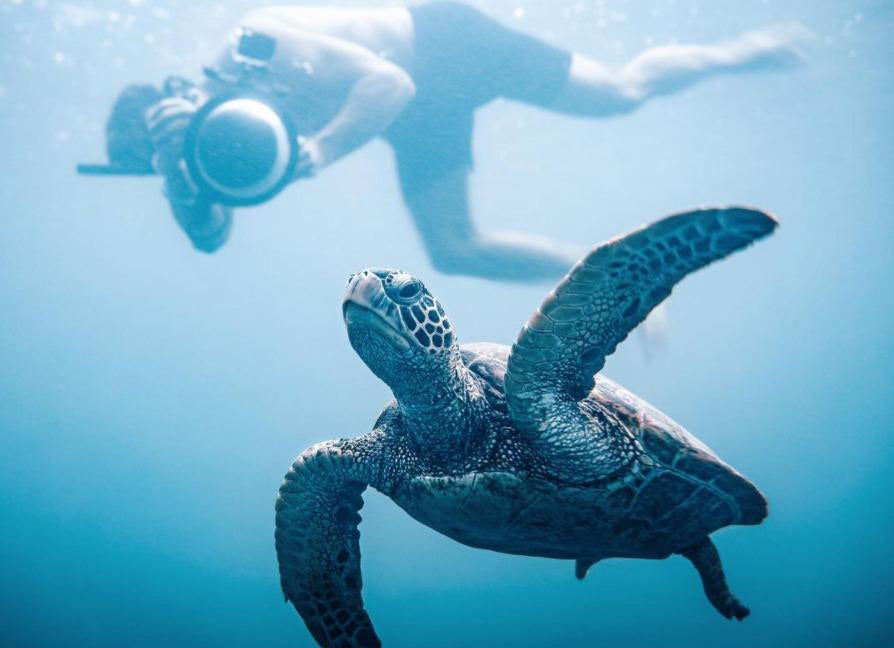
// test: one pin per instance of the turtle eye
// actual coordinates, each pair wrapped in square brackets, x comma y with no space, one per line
[404,290]
[410,290]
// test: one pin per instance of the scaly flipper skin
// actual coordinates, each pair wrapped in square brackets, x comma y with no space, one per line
[605,296]
[704,557]
[317,544]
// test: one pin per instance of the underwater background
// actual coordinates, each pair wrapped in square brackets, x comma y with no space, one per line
[151,397]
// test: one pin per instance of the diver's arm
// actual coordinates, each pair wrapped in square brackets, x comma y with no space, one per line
[207,224]
[371,89]
[373,102]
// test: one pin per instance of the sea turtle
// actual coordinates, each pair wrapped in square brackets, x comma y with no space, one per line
[526,451]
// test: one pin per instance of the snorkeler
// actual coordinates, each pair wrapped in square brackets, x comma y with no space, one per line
[413,76]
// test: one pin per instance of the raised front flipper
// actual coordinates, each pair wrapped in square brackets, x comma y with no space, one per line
[605,296]
[317,544]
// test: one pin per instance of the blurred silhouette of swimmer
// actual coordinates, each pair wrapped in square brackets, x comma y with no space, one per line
[413,76]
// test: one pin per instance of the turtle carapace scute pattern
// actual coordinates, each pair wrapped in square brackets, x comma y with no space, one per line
[527,450]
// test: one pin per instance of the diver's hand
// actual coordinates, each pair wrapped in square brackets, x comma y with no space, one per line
[167,122]
[310,157]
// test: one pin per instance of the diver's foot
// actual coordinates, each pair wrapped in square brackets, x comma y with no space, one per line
[778,46]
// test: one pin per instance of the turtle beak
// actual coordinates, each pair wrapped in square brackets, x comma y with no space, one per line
[364,289]
[365,305]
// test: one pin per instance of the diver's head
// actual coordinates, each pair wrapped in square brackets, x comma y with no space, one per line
[397,327]
[128,144]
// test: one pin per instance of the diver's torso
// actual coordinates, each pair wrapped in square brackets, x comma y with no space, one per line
[303,82]
[386,31]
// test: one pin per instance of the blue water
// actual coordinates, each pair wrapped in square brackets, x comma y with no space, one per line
[151,398]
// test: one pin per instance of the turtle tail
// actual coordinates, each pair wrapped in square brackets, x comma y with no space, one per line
[704,557]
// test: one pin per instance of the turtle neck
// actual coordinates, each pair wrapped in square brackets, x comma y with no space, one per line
[440,408]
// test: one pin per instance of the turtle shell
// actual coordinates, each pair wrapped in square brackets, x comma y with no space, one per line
[488,361]
[676,492]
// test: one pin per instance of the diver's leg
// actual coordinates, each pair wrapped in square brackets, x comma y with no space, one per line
[594,90]
[441,213]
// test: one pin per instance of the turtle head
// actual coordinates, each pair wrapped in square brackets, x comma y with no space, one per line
[395,325]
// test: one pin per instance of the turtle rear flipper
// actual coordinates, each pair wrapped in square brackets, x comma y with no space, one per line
[704,557]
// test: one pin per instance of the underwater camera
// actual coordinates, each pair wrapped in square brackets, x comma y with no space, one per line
[238,150]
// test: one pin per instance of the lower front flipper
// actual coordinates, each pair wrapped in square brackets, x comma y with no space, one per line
[318,547]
